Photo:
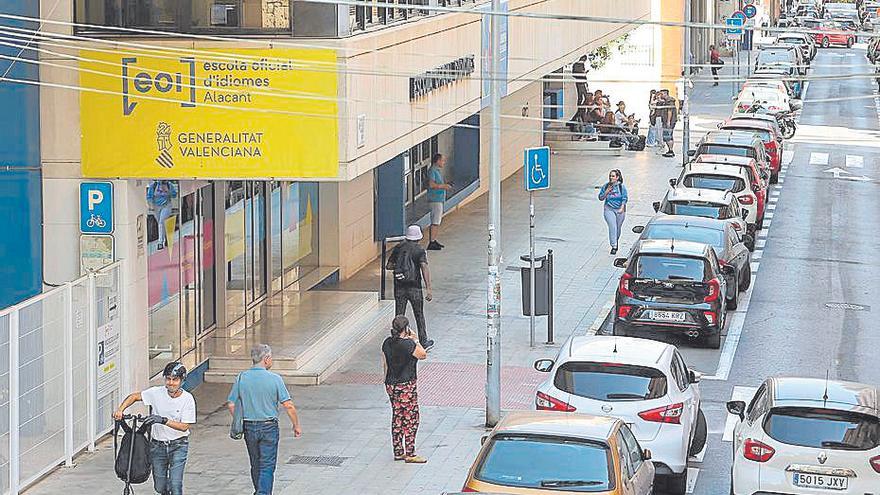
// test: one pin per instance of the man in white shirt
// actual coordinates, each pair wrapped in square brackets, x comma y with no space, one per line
[172,412]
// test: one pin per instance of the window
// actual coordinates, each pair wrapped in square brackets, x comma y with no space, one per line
[716,182]
[823,428]
[669,268]
[531,461]
[680,233]
[695,209]
[416,173]
[632,446]
[717,149]
[610,382]
[680,372]
[757,405]
[627,470]
[188,16]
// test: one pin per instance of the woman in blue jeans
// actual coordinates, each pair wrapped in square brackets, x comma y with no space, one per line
[613,193]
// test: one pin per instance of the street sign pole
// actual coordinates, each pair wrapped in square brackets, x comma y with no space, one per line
[493,296]
[532,269]
[685,107]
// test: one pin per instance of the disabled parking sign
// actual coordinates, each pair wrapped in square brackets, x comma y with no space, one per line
[537,168]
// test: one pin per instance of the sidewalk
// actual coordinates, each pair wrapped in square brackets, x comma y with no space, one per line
[345,447]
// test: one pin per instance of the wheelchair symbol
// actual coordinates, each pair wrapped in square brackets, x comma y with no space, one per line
[538,174]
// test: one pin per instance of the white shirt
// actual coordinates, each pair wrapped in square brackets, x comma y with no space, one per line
[181,409]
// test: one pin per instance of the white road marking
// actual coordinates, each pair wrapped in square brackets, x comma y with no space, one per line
[734,331]
[775,193]
[781,180]
[759,244]
[787,156]
[855,161]
[693,473]
[767,216]
[757,255]
[771,206]
[603,313]
[818,158]
[744,394]
[698,459]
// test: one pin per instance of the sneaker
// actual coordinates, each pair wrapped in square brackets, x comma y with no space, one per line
[400,458]
[614,250]
[669,154]
[428,344]
[415,459]
[434,246]
[441,245]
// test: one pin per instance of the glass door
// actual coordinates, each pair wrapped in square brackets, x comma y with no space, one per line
[197,304]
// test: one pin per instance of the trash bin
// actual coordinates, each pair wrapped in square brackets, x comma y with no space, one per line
[542,288]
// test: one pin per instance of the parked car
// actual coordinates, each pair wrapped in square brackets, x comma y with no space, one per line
[772,100]
[644,383]
[833,33]
[673,286]
[771,55]
[707,203]
[757,176]
[770,135]
[802,40]
[730,247]
[873,51]
[787,74]
[736,143]
[807,435]
[731,178]
[549,452]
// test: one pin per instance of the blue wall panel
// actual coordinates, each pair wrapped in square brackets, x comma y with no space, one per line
[21,259]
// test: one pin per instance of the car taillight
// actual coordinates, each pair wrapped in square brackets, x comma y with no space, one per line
[665,414]
[754,450]
[710,317]
[546,403]
[467,489]
[624,310]
[714,290]
[875,463]
[623,288]
[746,199]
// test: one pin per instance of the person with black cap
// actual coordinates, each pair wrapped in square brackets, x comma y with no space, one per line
[172,411]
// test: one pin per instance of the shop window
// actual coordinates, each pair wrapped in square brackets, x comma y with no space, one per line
[187,15]
[416,173]
[245,238]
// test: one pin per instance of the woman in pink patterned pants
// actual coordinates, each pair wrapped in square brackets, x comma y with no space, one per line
[401,352]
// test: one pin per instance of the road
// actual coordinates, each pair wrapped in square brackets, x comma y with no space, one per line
[810,307]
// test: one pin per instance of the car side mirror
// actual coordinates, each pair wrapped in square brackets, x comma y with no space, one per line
[483,439]
[779,139]
[737,407]
[656,205]
[692,152]
[620,262]
[638,229]
[694,376]
[673,182]
[544,365]
[728,270]
[745,214]
[646,455]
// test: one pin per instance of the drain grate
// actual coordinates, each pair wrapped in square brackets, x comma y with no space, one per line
[318,460]
[847,306]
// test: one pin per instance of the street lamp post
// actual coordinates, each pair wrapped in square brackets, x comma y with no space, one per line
[685,76]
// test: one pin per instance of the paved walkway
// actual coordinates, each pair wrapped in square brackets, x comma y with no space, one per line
[345,448]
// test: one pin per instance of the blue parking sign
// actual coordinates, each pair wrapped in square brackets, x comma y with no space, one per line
[96,207]
[537,168]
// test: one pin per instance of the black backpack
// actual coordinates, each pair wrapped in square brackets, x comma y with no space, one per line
[404,267]
[639,145]
[133,460]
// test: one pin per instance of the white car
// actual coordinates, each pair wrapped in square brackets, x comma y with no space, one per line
[772,99]
[708,203]
[774,84]
[807,435]
[722,177]
[643,382]
[803,40]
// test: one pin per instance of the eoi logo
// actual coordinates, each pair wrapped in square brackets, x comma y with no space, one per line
[159,85]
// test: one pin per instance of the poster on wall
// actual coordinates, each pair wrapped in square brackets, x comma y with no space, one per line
[503,49]
[107,338]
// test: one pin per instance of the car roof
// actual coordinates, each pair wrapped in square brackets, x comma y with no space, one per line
[733,138]
[622,350]
[687,220]
[830,394]
[779,46]
[698,194]
[716,168]
[739,161]
[671,246]
[760,124]
[558,423]
[753,116]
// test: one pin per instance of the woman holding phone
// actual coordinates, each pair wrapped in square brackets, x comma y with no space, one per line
[613,193]
[401,351]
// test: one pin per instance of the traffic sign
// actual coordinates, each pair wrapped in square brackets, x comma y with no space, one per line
[750,11]
[734,27]
[96,207]
[748,2]
[537,168]
[740,14]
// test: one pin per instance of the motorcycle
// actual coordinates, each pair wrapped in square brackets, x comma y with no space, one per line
[785,120]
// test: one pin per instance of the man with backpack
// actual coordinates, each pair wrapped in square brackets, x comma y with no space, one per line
[409,263]
[173,410]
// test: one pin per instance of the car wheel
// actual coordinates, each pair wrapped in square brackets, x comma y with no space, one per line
[746,278]
[733,302]
[774,177]
[700,434]
[676,484]
[849,43]
[825,43]
[759,225]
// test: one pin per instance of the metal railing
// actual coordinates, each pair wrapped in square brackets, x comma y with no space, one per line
[60,367]
[385,12]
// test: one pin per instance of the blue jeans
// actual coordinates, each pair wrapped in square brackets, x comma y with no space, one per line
[261,438]
[169,460]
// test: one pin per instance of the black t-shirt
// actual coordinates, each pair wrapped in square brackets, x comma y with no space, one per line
[401,364]
[418,256]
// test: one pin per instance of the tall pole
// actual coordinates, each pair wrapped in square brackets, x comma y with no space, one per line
[532,266]
[493,298]
[685,76]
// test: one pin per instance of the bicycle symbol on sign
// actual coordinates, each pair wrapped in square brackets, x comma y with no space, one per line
[538,174]
[96,221]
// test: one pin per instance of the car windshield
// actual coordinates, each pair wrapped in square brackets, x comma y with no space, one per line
[774,56]
[531,461]
[669,268]
[702,235]
[763,134]
[716,182]
[610,382]
[696,209]
[823,428]
[720,149]
[792,40]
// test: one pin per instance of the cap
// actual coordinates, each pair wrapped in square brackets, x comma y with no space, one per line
[413,233]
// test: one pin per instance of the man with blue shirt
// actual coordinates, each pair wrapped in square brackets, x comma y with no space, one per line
[437,188]
[262,392]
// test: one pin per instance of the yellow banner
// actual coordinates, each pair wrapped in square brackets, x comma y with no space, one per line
[230,113]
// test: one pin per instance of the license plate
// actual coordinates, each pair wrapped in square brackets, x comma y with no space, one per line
[667,315]
[821,481]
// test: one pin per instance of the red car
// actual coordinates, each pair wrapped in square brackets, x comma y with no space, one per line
[834,32]
[758,185]
[769,134]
